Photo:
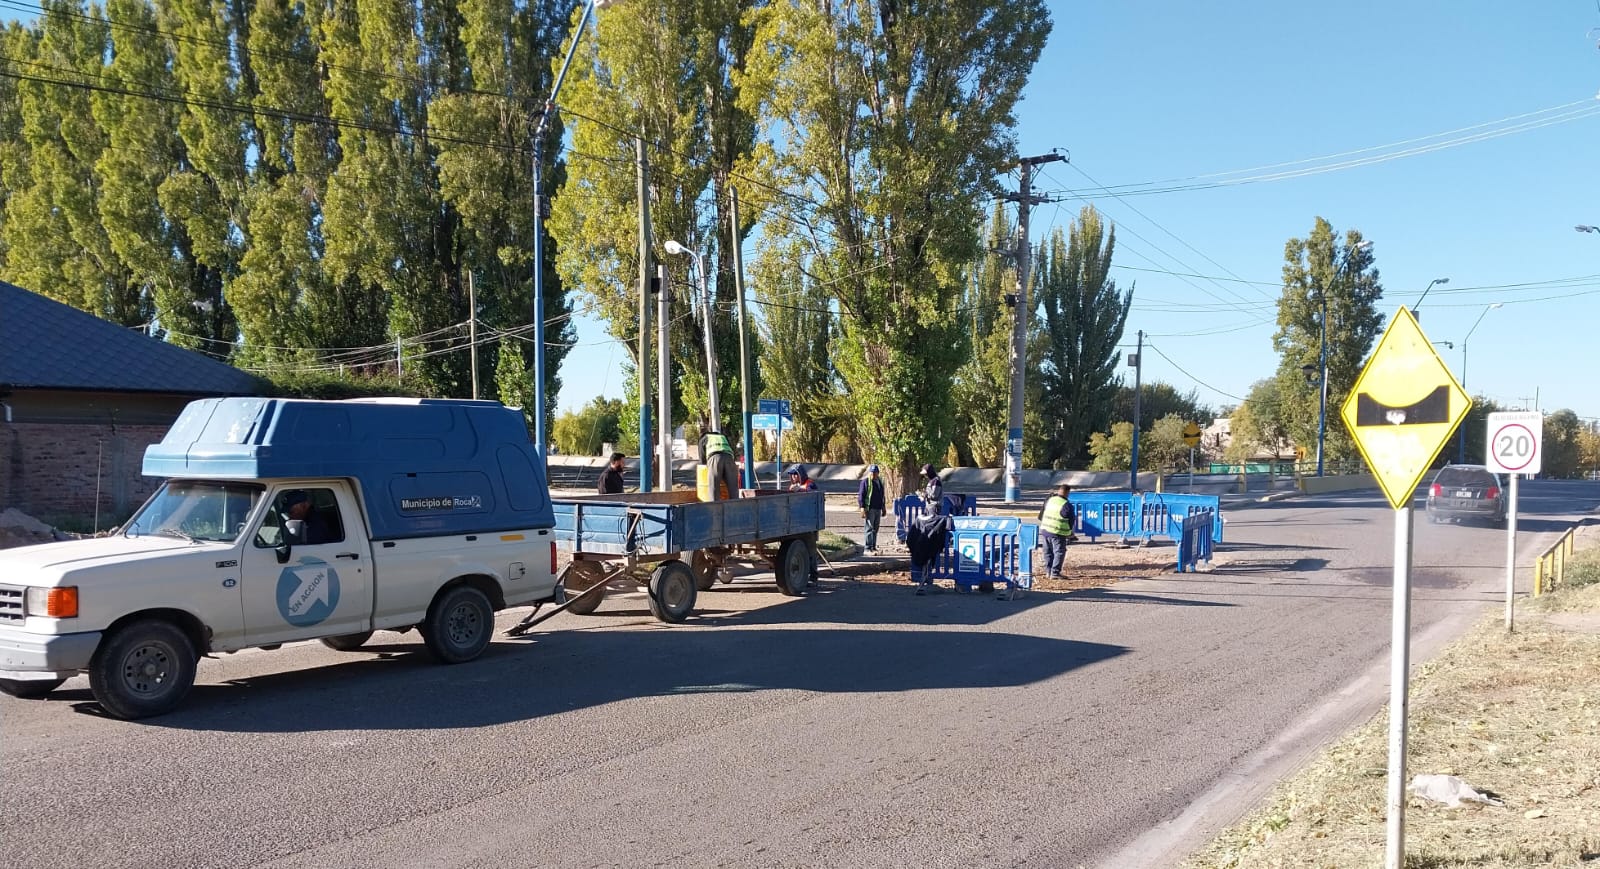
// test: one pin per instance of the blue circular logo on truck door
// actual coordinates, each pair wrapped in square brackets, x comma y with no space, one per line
[308,592]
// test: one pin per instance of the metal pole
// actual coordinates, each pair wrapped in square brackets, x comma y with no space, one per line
[1399,674]
[1322,402]
[539,131]
[472,329]
[711,348]
[1138,370]
[1191,470]
[663,378]
[1019,339]
[643,163]
[1511,552]
[747,432]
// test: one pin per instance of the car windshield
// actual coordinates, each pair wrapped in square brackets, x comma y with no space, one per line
[1464,477]
[196,511]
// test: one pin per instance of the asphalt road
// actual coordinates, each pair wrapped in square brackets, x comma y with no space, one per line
[859,727]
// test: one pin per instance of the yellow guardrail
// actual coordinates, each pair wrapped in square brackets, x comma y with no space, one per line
[1550,570]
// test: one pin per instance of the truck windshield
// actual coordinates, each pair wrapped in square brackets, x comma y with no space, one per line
[196,511]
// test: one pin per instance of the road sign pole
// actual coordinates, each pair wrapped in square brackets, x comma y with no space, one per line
[777,470]
[1399,676]
[1511,550]
[1191,470]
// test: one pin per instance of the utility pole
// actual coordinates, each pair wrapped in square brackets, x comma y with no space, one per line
[1019,322]
[663,378]
[472,327]
[1138,369]
[644,314]
[748,432]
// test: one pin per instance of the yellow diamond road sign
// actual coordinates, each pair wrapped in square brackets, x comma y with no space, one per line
[1403,408]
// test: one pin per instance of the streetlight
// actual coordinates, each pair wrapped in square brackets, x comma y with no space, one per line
[1425,295]
[677,249]
[1585,228]
[1448,345]
[1461,442]
[540,131]
[1322,355]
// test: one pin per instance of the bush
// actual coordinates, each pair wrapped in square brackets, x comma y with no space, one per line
[583,433]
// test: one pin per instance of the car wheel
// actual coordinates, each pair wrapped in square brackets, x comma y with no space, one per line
[29,689]
[146,668]
[459,625]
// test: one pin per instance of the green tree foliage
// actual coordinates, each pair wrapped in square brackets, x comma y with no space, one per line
[1259,424]
[888,124]
[585,432]
[293,186]
[1083,318]
[1475,427]
[1163,448]
[661,70]
[1588,451]
[797,330]
[513,381]
[1317,268]
[982,387]
[1158,399]
[1113,451]
[1562,447]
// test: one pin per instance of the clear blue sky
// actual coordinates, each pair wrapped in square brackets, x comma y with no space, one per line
[1143,92]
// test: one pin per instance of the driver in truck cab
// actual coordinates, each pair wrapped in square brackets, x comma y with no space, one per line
[313,527]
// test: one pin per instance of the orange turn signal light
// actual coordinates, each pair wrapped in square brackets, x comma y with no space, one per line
[62,603]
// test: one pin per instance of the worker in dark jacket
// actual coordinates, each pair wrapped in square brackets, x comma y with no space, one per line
[1056,523]
[870,498]
[933,492]
[611,478]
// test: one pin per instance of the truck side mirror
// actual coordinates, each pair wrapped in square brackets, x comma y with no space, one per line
[292,530]
[282,551]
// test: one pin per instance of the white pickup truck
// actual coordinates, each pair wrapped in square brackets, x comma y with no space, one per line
[286,520]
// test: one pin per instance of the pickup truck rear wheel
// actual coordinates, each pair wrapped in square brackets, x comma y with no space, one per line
[672,591]
[459,625]
[29,689]
[347,642]
[146,668]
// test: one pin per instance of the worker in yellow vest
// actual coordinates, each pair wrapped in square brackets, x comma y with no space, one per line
[1056,523]
[717,454]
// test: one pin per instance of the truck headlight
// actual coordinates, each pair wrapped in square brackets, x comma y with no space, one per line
[55,603]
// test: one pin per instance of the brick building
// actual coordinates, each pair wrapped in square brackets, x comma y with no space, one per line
[80,399]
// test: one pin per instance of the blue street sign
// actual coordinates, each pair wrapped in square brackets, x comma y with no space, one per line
[769,422]
[773,405]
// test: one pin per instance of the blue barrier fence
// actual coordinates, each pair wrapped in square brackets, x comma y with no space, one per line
[1194,541]
[1143,515]
[910,506]
[990,550]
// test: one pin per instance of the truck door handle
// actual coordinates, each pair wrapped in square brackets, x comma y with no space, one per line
[350,555]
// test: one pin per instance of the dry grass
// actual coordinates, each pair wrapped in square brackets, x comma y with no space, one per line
[1517,716]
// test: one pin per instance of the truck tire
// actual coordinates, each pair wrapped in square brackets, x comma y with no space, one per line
[459,625]
[672,591]
[29,689]
[582,576]
[146,668]
[794,567]
[347,642]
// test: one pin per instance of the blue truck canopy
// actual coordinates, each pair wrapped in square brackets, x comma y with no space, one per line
[426,467]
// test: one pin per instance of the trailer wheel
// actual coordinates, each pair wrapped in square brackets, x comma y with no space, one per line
[794,567]
[347,642]
[672,591]
[582,576]
[146,668]
[29,689]
[459,625]
[705,572]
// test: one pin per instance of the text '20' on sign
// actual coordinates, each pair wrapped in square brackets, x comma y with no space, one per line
[1516,442]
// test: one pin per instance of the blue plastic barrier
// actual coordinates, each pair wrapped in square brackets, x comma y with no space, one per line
[1142,515]
[911,505]
[1194,541]
[987,550]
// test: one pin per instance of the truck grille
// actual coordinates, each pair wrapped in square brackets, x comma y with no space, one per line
[10,604]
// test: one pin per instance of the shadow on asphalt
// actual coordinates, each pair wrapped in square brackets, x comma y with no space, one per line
[400,687]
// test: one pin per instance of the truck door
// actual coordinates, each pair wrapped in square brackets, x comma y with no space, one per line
[324,587]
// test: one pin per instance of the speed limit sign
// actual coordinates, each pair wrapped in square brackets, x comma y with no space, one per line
[1516,442]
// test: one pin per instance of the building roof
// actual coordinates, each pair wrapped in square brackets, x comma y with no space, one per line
[45,344]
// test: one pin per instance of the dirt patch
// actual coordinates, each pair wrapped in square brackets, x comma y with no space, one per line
[19,529]
[1088,565]
[1516,716]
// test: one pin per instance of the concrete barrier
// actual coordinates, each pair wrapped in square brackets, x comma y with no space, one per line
[1339,483]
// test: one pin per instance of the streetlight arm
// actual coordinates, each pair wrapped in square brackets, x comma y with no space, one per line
[572,48]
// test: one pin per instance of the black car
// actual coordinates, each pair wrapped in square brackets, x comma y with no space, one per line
[1466,492]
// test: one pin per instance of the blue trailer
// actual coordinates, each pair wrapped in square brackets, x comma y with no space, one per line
[677,545]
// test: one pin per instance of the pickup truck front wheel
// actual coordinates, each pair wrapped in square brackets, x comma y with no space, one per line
[29,689]
[146,668]
[459,625]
